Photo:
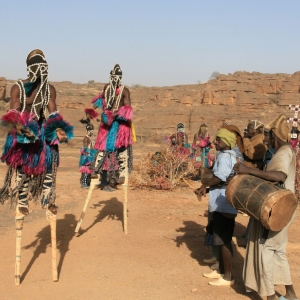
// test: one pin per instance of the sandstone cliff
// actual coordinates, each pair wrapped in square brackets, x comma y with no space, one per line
[234,97]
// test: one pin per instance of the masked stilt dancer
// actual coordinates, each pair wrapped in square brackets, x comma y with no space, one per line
[87,154]
[116,134]
[31,146]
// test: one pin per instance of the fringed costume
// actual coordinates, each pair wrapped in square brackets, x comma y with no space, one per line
[87,155]
[116,132]
[31,150]
[180,140]
[201,147]
[31,147]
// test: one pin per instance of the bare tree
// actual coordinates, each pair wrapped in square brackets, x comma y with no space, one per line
[214,75]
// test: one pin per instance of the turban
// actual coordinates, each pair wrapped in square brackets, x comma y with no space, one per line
[256,124]
[239,139]
[227,137]
[280,127]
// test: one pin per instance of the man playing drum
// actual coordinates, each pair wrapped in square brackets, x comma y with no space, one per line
[223,219]
[266,264]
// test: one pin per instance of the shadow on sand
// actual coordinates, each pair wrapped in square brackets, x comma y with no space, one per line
[64,234]
[112,209]
[194,236]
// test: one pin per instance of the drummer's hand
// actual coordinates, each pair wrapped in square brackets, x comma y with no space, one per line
[201,192]
[240,168]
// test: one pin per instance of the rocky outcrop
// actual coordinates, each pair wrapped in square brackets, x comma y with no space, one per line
[2,88]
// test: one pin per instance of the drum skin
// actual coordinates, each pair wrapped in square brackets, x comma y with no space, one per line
[267,203]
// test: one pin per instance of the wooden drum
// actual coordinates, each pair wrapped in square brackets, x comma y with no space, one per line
[267,203]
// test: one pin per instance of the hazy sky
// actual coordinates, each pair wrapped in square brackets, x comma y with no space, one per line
[156,42]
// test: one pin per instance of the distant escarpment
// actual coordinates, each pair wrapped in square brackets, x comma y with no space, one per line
[234,97]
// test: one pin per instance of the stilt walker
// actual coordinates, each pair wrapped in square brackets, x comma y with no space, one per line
[113,161]
[31,149]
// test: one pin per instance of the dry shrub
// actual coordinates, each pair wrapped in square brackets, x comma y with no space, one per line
[163,170]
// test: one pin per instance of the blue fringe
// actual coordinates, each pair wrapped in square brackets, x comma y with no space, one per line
[111,137]
[34,128]
[50,130]
[84,158]
[48,157]
[28,86]
[118,118]
[98,103]
[8,144]
[88,157]
[93,153]
[104,118]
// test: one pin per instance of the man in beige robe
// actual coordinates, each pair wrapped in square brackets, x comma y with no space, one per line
[266,264]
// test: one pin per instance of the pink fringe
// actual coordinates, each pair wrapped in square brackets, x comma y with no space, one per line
[96,98]
[126,112]
[203,143]
[14,116]
[294,143]
[91,112]
[102,136]
[106,164]
[110,116]
[14,158]
[55,142]
[85,169]
[124,136]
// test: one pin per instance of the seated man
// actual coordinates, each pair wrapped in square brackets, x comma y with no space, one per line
[223,218]
[265,263]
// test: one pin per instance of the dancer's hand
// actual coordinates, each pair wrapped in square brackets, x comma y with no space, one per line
[21,130]
[61,135]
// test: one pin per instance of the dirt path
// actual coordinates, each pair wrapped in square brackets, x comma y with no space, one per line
[160,258]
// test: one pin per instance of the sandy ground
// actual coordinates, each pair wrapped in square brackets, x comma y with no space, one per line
[160,258]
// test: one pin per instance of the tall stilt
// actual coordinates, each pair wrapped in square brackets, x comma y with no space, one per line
[94,182]
[52,219]
[125,189]
[19,227]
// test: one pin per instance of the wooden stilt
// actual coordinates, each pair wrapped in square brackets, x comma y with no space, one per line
[125,189]
[52,219]
[19,227]
[94,182]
